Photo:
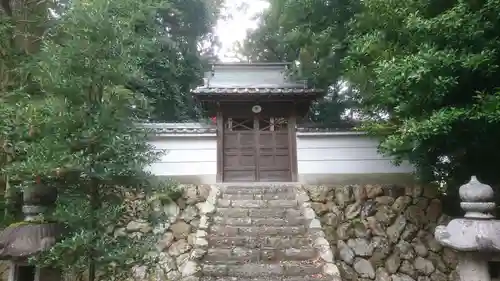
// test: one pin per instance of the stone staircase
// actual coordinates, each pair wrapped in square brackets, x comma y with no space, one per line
[259,232]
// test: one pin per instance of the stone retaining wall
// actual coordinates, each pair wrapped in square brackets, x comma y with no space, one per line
[383,233]
[177,230]
[178,223]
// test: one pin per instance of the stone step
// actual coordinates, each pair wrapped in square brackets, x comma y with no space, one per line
[258,212]
[249,221]
[263,270]
[225,230]
[258,189]
[240,255]
[317,277]
[258,203]
[260,196]
[276,242]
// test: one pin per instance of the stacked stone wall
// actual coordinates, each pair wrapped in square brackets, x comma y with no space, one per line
[176,227]
[384,232]
[174,224]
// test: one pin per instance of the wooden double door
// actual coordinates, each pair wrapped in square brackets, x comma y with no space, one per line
[256,149]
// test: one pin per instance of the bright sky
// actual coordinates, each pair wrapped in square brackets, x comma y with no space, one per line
[238,17]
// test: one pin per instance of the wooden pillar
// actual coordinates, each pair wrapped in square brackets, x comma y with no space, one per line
[220,145]
[292,124]
[256,135]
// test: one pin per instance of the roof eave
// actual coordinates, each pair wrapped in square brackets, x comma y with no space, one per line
[252,63]
[225,91]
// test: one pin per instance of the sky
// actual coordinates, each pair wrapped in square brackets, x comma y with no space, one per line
[233,27]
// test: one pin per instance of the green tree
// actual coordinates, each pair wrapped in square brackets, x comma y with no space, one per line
[185,45]
[73,124]
[22,24]
[181,31]
[427,74]
[312,33]
[424,73]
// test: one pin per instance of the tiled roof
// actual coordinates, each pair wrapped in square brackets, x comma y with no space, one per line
[276,91]
[324,130]
[341,126]
[185,130]
[202,128]
[181,128]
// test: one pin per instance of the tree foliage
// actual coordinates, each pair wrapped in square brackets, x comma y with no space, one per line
[307,32]
[432,67]
[21,27]
[424,72]
[185,46]
[77,129]
[73,89]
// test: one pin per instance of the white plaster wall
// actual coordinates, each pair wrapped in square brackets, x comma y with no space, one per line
[343,156]
[322,158]
[187,158]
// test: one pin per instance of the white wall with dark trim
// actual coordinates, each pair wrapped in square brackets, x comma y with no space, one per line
[190,156]
[330,157]
[189,152]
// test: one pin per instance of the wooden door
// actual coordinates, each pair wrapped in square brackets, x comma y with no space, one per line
[273,150]
[239,157]
[256,149]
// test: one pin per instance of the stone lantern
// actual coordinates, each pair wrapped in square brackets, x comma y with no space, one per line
[36,233]
[476,237]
